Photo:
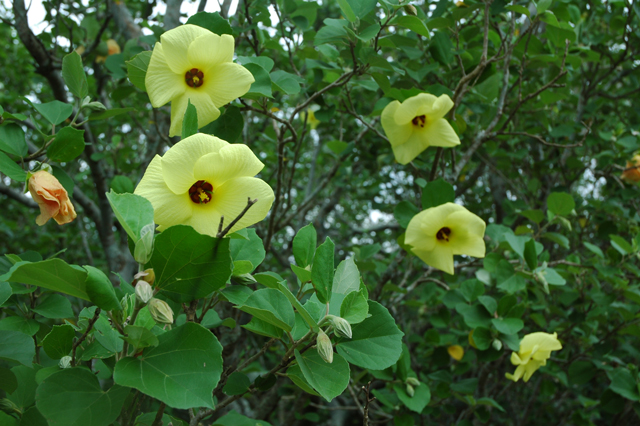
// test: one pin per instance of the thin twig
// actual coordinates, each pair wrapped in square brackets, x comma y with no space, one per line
[226,230]
[84,336]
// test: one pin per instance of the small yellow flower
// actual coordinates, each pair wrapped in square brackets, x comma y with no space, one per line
[192,63]
[436,234]
[535,350]
[416,124]
[202,178]
[312,121]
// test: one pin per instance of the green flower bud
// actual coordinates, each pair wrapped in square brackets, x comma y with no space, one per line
[244,279]
[144,292]
[95,106]
[497,344]
[411,10]
[65,362]
[144,246]
[160,311]
[324,347]
[341,325]
[9,406]
[410,390]
[412,381]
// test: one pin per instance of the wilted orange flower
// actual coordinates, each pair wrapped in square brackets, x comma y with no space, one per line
[632,172]
[52,199]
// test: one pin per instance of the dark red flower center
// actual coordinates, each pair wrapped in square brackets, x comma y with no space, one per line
[194,77]
[419,120]
[443,234]
[201,192]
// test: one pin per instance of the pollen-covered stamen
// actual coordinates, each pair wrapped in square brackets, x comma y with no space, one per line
[443,234]
[419,120]
[201,192]
[194,77]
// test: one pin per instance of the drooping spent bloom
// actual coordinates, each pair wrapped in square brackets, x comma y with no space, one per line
[437,233]
[192,63]
[111,47]
[535,350]
[51,197]
[202,178]
[416,124]
[632,172]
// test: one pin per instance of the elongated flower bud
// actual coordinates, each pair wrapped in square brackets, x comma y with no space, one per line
[341,325]
[324,347]
[144,292]
[65,362]
[160,311]
[410,390]
[412,381]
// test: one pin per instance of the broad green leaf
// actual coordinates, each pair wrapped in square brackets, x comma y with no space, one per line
[211,21]
[73,397]
[140,337]
[8,380]
[553,278]
[624,384]
[181,371]
[354,307]
[251,249]
[346,10]
[295,374]
[543,5]
[17,346]
[189,265]
[12,140]
[346,278]
[272,306]
[74,76]
[536,216]
[235,419]
[413,23]
[560,203]
[559,239]
[329,380]
[304,245]
[106,335]
[137,69]
[59,341]
[55,306]
[621,245]
[262,84]
[489,303]
[419,400]
[304,275]
[508,325]
[530,254]
[65,180]
[441,48]
[11,169]
[594,249]
[481,337]
[100,290]
[190,121]
[322,272]
[376,342]
[5,292]
[54,274]
[67,144]
[237,384]
[436,193]
[361,8]
[25,394]
[24,325]
[286,82]
[132,211]
[55,112]
[121,185]
[282,286]
[110,113]
[263,328]
[474,315]
[228,126]
[404,212]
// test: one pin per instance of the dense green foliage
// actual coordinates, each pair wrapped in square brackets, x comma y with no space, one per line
[544,107]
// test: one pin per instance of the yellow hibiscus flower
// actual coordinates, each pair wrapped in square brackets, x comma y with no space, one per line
[192,63]
[436,234]
[416,124]
[535,350]
[202,178]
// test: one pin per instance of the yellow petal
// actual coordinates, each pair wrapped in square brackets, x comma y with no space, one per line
[456,352]
[515,359]
[417,105]
[467,232]
[210,50]
[231,161]
[226,82]
[517,374]
[231,198]
[179,162]
[440,108]
[205,219]
[161,82]
[175,44]
[440,258]
[428,222]
[439,133]
[397,134]
[545,341]
[169,209]
[530,368]
[207,111]
[411,148]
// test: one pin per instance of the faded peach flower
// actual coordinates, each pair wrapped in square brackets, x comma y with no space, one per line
[52,199]
[632,172]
